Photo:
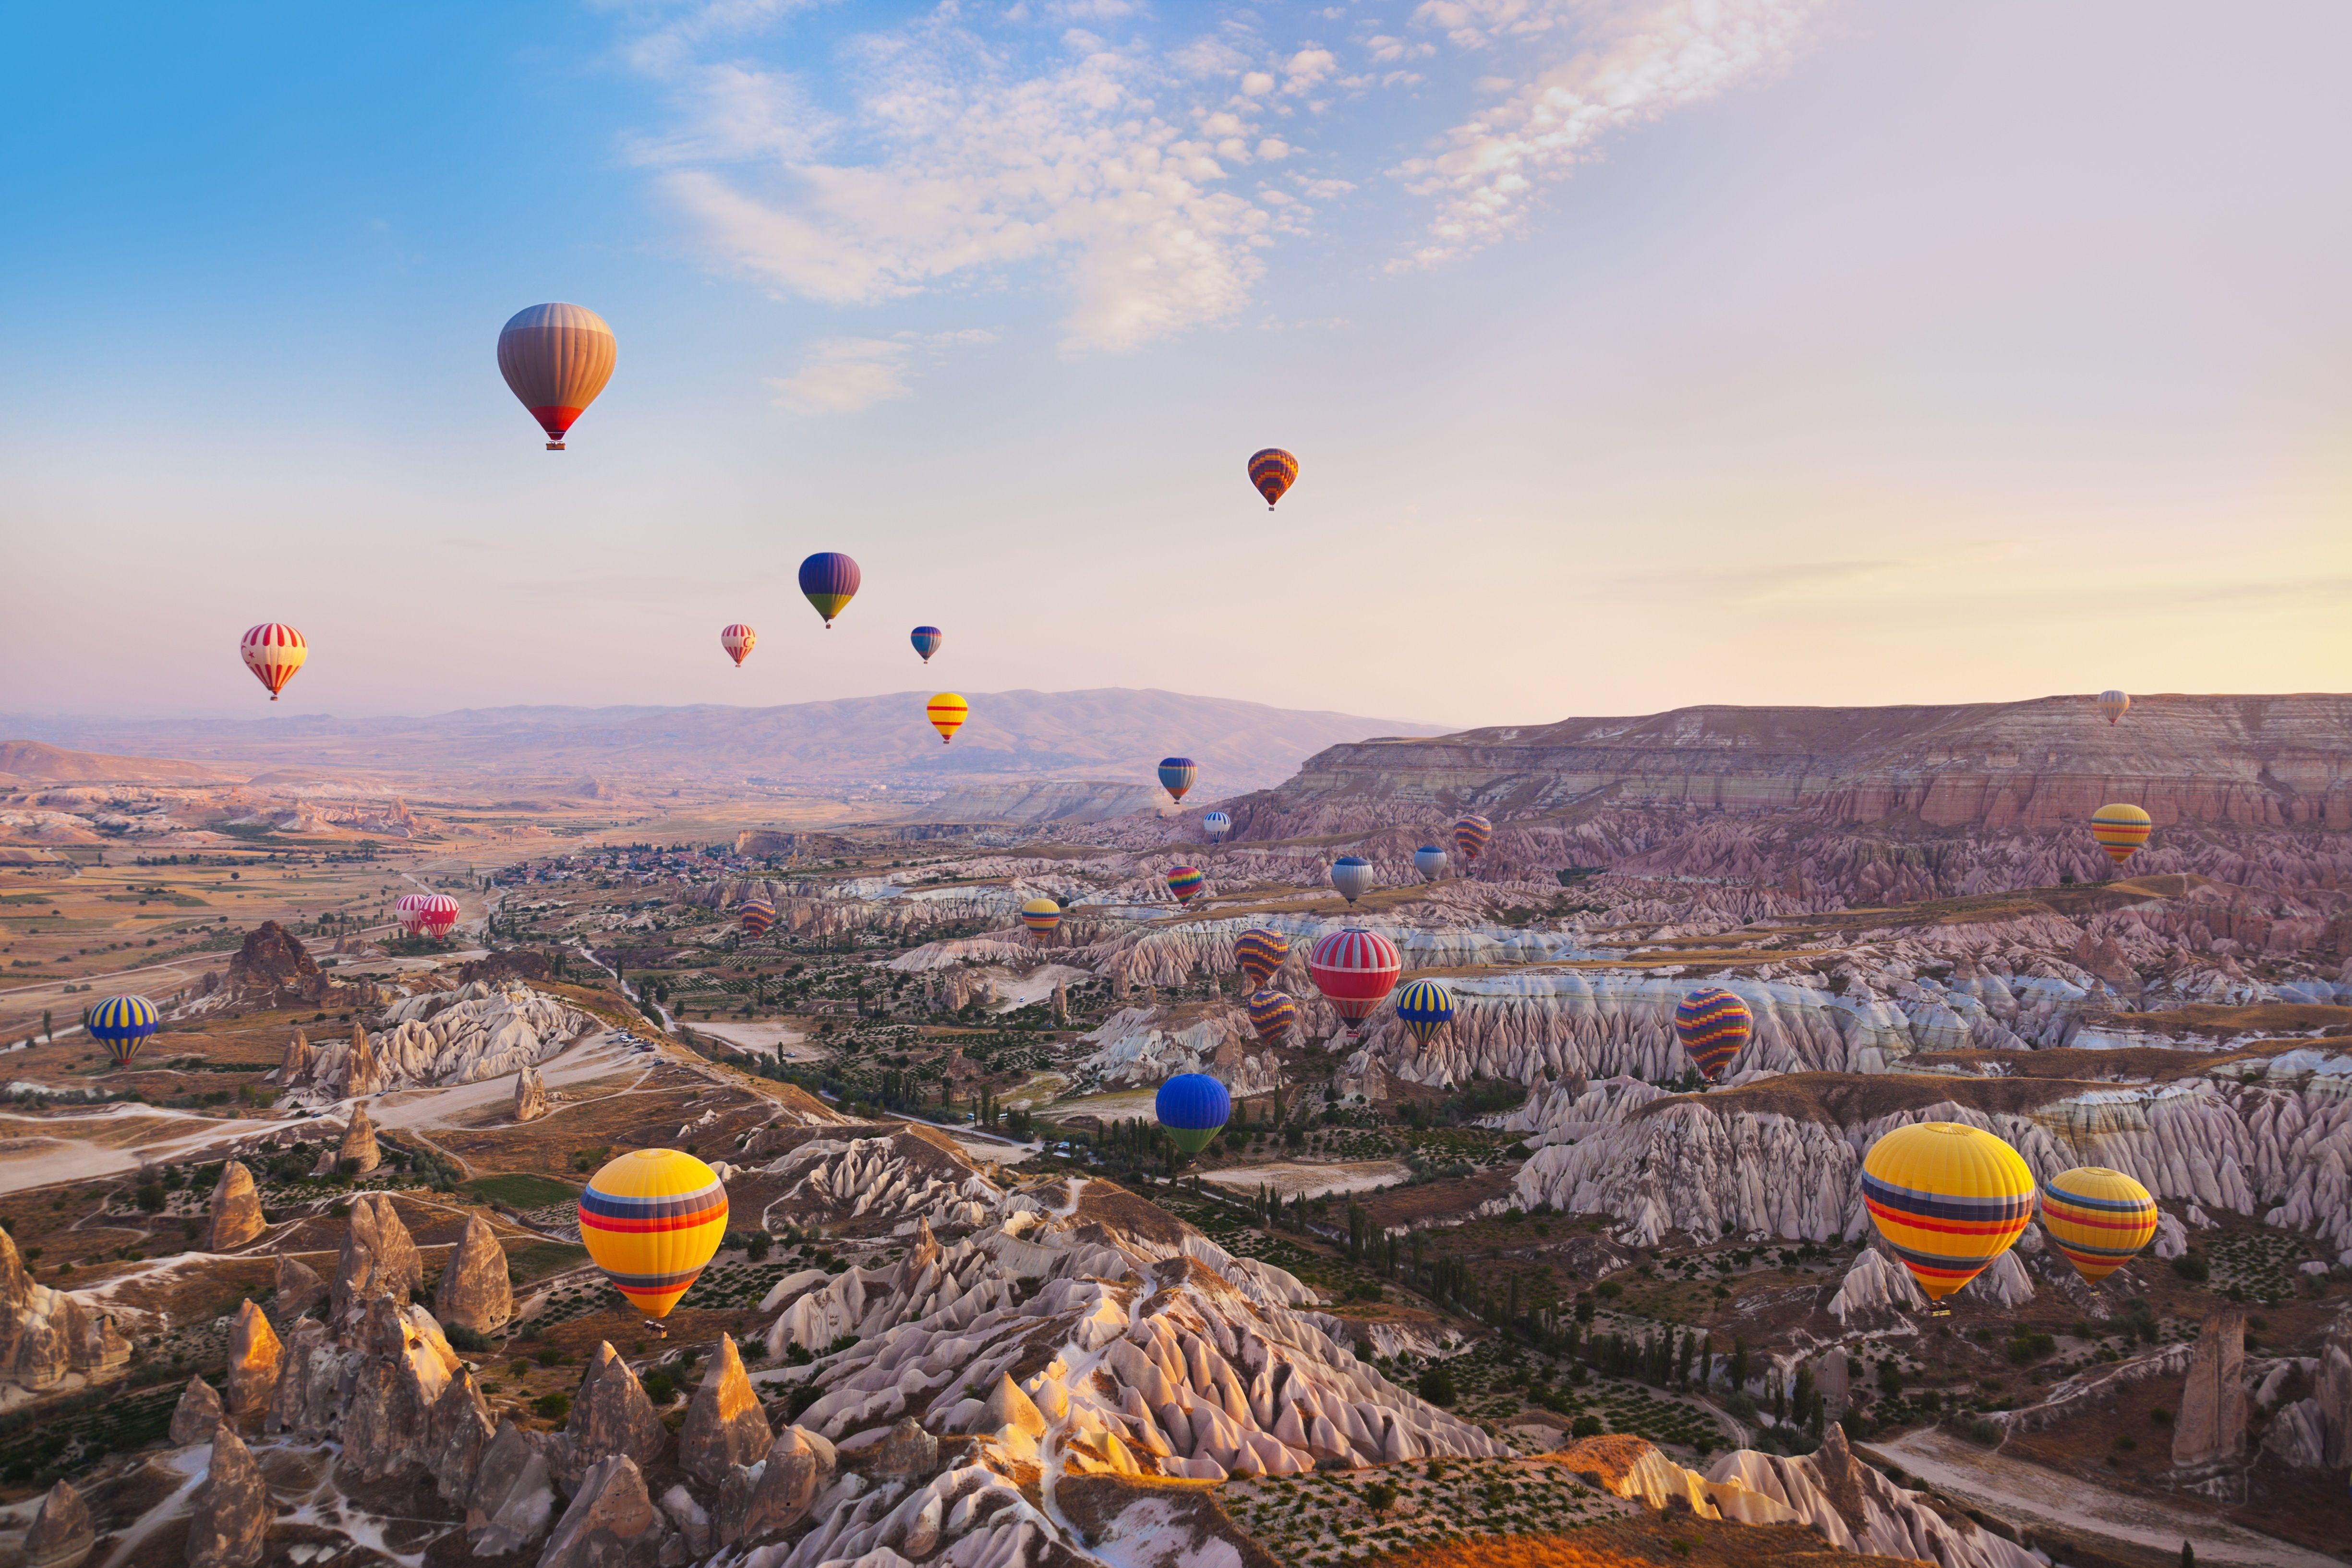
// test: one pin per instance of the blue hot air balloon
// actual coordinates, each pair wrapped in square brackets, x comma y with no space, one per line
[1352,876]
[1217,825]
[829,580]
[1192,1106]
[1426,1007]
[1430,861]
[926,640]
[121,1024]
[1176,776]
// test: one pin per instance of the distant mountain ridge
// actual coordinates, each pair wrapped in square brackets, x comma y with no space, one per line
[36,761]
[1105,734]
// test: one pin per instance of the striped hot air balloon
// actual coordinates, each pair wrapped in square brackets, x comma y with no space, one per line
[1217,825]
[758,917]
[1271,1014]
[1470,836]
[1192,1106]
[435,915]
[274,651]
[2120,829]
[1260,953]
[651,1220]
[829,579]
[1352,875]
[947,712]
[2114,704]
[1042,916]
[556,359]
[1949,1199]
[926,641]
[1185,881]
[2099,1218]
[737,640]
[121,1024]
[1355,970]
[1273,472]
[1430,861]
[404,910]
[1176,776]
[1712,1025]
[1426,1007]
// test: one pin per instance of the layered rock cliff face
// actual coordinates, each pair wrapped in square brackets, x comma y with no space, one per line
[481,1031]
[47,1334]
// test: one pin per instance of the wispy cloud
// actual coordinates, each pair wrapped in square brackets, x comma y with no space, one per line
[1631,62]
[842,376]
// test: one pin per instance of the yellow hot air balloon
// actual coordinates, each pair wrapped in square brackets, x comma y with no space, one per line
[2099,1218]
[1949,1199]
[651,1220]
[947,712]
[2120,829]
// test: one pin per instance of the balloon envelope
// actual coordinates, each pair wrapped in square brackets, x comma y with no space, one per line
[1426,1007]
[426,914]
[2099,1218]
[2120,829]
[1176,776]
[1217,825]
[758,916]
[1040,916]
[556,359]
[947,712]
[2114,704]
[651,1221]
[1192,1106]
[274,651]
[1352,876]
[121,1024]
[1712,1025]
[1355,970]
[1949,1199]
[737,640]
[1430,861]
[830,581]
[1271,1014]
[1185,881]
[926,641]
[1260,953]
[1470,836]
[1273,472]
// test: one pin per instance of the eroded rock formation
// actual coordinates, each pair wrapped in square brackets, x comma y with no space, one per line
[724,1424]
[379,1256]
[236,1208]
[62,1532]
[2210,1427]
[531,1095]
[474,1291]
[47,1334]
[484,1029]
[230,1519]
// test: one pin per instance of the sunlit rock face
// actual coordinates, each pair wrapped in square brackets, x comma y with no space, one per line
[45,1335]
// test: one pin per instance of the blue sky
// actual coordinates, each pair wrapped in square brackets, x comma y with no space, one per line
[1635,353]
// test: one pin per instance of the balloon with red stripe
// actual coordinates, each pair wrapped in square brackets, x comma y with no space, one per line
[1273,472]
[1259,953]
[651,1221]
[1712,1025]
[1470,836]
[556,358]
[274,651]
[1185,882]
[737,640]
[1355,970]
[1271,1014]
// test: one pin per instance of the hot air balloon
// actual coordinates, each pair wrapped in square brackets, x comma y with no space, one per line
[1176,776]
[1271,1014]
[1430,861]
[947,712]
[1192,1106]
[737,640]
[651,1219]
[1184,881]
[404,909]
[121,1024]
[274,651]
[1949,1199]
[758,917]
[1354,969]
[1260,953]
[1352,875]
[435,915]
[1042,916]
[1426,1007]
[2114,704]
[556,359]
[926,640]
[2099,1218]
[1217,825]
[1273,472]
[1470,836]
[1712,1025]
[2120,829]
[830,580]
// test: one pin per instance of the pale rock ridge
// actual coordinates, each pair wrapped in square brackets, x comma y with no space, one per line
[474,1291]
[901,1176]
[1857,1508]
[236,1208]
[1876,1284]
[483,1029]
[1143,1046]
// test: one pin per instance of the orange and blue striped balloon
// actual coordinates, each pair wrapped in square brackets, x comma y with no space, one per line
[2099,1218]
[1273,472]
[1271,1014]
[1712,1025]
[651,1221]
[1176,776]
[1426,1007]
[2120,829]
[1949,1198]
[926,641]
[756,915]
[1185,881]
[1470,836]
[1260,953]
[1042,916]
[123,1024]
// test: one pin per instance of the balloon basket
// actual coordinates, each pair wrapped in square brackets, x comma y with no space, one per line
[654,1328]
[556,445]
[1939,1311]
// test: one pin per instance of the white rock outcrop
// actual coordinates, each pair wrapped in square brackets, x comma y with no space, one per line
[481,1031]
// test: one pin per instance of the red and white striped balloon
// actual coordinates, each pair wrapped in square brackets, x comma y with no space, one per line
[426,914]
[274,651]
[737,640]
[1355,970]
